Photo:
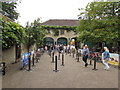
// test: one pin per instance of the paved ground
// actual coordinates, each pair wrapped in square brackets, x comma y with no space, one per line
[72,75]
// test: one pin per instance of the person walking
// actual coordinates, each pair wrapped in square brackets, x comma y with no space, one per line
[85,54]
[106,57]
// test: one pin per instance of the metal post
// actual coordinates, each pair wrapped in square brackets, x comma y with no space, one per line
[29,63]
[59,56]
[66,51]
[3,68]
[90,61]
[62,60]
[95,64]
[56,64]
[78,57]
[33,60]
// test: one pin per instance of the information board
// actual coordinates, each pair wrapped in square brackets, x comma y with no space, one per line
[114,59]
[25,58]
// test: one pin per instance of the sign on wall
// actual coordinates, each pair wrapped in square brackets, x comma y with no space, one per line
[25,58]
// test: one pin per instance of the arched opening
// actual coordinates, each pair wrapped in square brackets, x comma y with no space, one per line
[62,40]
[48,41]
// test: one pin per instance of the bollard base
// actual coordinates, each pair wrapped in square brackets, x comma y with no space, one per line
[29,70]
[3,74]
[95,69]
[55,70]
[33,65]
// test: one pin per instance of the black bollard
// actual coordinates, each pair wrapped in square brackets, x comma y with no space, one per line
[95,64]
[59,56]
[78,57]
[62,60]
[33,60]
[3,68]
[90,62]
[56,64]
[53,57]
[29,63]
[77,54]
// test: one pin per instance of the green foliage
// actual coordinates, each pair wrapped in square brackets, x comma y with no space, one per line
[34,33]
[68,28]
[101,23]
[8,9]
[56,32]
[57,28]
[12,33]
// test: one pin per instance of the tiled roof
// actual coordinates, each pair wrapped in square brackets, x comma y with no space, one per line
[61,22]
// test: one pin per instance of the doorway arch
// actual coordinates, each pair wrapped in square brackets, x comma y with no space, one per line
[62,40]
[48,40]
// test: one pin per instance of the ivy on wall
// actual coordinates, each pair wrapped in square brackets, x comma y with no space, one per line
[68,28]
[11,34]
[56,29]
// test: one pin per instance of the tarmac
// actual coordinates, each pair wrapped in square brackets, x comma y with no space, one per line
[72,75]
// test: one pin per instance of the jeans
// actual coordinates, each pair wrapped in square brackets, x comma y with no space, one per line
[85,60]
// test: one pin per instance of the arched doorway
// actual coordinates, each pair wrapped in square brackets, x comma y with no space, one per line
[62,40]
[48,40]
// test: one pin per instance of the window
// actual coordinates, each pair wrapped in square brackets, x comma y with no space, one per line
[61,32]
[48,30]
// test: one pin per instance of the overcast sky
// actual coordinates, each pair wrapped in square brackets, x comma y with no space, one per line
[49,9]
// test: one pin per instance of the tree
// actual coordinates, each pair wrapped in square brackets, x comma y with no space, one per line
[101,23]
[9,10]
[34,34]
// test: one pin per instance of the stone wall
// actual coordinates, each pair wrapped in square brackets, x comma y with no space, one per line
[9,55]
[68,35]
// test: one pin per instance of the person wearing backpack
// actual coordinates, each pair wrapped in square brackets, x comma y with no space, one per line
[106,57]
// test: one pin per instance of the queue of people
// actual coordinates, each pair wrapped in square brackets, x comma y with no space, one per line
[84,52]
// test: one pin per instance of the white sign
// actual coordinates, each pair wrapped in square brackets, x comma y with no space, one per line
[114,59]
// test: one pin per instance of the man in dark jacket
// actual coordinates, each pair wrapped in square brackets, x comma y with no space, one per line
[86,54]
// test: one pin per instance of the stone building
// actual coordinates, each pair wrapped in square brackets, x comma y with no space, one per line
[63,36]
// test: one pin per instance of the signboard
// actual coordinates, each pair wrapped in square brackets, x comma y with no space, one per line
[25,58]
[114,59]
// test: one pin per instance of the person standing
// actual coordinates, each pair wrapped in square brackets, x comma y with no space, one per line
[85,54]
[106,57]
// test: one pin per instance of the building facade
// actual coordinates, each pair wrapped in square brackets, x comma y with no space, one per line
[60,35]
